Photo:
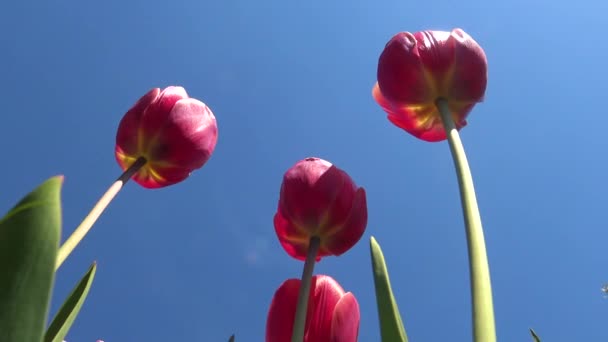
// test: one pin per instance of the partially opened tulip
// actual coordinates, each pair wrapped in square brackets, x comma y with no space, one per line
[160,141]
[415,70]
[318,199]
[428,82]
[174,133]
[321,212]
[333,315]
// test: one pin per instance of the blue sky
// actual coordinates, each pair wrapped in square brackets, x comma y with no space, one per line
[286,80]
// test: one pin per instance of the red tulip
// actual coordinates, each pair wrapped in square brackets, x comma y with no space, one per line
[174,133]
[333,315]
[415,70]
[319,200]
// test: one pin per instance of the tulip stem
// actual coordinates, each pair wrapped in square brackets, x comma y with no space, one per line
[299,323]
[86,224]
[481,289]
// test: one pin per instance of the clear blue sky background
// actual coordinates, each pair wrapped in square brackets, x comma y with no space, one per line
[291,79]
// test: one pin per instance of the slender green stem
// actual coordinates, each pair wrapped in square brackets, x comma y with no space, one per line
[309,265]
[481,289]
[81,231]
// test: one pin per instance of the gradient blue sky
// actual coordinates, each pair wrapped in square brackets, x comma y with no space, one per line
[290,79]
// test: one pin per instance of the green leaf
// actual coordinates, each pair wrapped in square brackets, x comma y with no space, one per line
[29,240]
[69,309]
[534,336]
[391,326]
[231,339]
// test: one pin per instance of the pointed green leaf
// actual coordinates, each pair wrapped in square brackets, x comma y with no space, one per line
[231,338]
[29,240]
[534,336]
[69,309]
[391,326]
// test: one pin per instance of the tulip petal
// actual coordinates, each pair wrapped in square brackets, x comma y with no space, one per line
[157,174]
[315,183]
[125,137]
[422,121]
[470,79]
[167,99]
[188,136]
[430,129]
[295,241]
[345,321]
[279,325]
[156,114]
[351,231]
[417,120]
[340,209]
[437,55]
[326,294]
[400,66]
[169,96]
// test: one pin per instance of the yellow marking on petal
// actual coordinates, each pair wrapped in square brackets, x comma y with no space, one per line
[298,239]
[321,227]
[427,116]
[432,83]
[329,232]
[125,160]
[149,170]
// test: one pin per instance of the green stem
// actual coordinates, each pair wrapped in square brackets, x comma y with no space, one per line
[81,231]
[481,289]
[300,317]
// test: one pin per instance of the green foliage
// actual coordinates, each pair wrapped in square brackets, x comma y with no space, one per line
[534,336]
[391,326]
[29,240]
[69,309]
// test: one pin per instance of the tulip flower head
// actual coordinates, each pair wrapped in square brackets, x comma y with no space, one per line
[415,70]
[319,200]
[175,134]
[333,315]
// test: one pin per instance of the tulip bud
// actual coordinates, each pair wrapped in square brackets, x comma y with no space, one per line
[174,133]
[332,315]
[319,200]
[415,70]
